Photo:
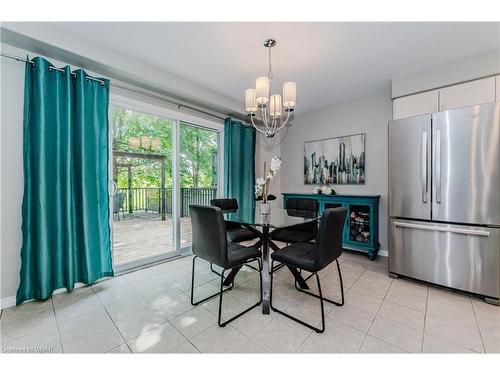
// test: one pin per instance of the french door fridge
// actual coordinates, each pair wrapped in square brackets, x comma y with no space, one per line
[444,199]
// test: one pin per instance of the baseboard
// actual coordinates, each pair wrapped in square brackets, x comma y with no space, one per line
[7,302]
[382,253]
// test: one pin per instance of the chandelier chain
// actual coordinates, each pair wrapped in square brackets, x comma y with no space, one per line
[270,73]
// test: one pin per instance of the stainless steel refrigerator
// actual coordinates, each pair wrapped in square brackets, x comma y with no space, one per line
[444,199]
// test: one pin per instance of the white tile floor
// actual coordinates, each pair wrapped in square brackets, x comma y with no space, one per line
[150,311]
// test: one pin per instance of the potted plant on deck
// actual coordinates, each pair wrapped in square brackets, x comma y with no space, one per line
[262,185]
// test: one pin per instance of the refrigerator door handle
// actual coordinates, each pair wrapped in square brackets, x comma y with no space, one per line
[423,167]
[438,166]
[473,232]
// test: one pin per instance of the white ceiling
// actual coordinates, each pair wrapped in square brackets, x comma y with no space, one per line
[331,62]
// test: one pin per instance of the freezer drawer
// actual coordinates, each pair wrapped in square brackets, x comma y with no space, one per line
[456,256]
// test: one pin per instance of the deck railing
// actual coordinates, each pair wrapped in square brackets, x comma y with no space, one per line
[160,200]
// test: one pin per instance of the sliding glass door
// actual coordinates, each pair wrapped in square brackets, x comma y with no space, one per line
[159,166]
[199,165]
[143,222]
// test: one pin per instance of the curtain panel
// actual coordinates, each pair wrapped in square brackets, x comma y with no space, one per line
[66,234]
[239,166]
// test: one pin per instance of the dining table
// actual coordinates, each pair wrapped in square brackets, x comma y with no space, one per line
[264,224]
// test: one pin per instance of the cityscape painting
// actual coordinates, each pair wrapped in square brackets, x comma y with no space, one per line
[339,160]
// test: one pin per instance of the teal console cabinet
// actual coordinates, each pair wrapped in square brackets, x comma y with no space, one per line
[361,226]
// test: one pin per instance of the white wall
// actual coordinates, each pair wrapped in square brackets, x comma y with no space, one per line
[473,67]
[368,115]
[11,177]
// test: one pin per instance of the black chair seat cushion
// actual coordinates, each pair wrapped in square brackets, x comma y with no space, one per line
[238,254]
[299,255]
[292,235]
[240,234]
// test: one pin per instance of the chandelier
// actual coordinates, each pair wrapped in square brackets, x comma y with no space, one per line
[271,106]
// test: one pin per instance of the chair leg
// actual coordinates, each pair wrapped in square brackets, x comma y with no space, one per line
[214,271]
[281,265]
[219,318]
[218,273]
[318,330]
[326,299]
[192,287]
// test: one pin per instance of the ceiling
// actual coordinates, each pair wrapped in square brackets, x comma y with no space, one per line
[331,62]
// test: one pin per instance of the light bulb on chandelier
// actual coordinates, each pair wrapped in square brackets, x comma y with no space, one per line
[271,105]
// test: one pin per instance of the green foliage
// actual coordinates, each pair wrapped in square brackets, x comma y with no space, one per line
[198,164]
[198,151]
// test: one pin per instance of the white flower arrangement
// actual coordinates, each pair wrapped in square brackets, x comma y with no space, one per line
[262,184]
[323,189]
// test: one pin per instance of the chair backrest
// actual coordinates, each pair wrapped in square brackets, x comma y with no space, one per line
[302,207]
[209,234]
[118,200]
[329,238]
[227,205]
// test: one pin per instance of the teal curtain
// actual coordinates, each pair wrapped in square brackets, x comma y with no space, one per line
[66,234]
[239,166]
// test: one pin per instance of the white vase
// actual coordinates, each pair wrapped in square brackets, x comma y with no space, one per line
[265,208]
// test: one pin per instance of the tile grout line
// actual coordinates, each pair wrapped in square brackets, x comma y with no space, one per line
[376,313]
[112,321]
[347,289]
[478,327]
[57,324]
[192,308]
[375,317]
[425,319]
[167,320]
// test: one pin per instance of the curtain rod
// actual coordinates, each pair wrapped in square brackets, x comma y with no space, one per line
[157,97]
[20,59]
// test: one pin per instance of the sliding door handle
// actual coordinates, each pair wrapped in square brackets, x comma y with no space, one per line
[472,232]
[114,187]
[423,167]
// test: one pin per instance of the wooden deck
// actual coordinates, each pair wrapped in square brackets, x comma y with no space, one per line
[141,235]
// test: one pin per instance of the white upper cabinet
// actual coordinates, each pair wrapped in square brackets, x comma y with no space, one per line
[414,105]
[498,88]
[471,93]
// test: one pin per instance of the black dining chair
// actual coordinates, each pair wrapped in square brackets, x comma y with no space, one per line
[210,243]
[299,207]
[313,257]
[235,231]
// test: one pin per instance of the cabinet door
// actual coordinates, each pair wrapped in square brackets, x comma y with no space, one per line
[359,224]
[498,88]
[480,91]
[415,105]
